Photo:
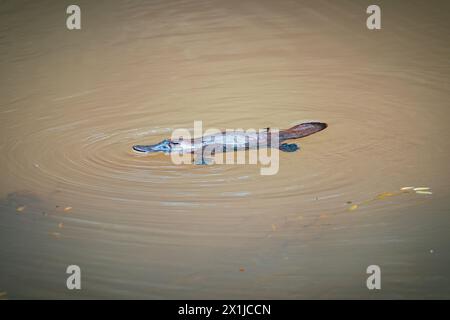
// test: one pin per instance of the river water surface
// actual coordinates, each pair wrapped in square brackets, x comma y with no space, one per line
[72,103]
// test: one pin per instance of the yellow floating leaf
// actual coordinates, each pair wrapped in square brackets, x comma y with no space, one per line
[421,189]
[67,209]
[424,192]
[20,209]
[384,195]
[353,207]
[407,188]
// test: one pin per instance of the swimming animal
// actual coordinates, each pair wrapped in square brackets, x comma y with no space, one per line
[236,140]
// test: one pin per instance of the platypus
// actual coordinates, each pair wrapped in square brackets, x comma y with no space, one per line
[236,140]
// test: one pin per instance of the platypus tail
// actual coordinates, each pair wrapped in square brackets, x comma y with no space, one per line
[302,130]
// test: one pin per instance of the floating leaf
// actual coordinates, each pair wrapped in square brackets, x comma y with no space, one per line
[353,207]
[60,225]
[407,188]
[20,209]
[66,209]
[241,269]
[384,195]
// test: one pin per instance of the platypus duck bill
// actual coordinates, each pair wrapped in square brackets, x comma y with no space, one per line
[235,140]
[163,146]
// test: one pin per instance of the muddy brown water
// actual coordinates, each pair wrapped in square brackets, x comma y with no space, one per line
[73,103]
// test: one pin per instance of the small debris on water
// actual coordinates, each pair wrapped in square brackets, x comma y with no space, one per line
[424,192]
[241,269]
[60,225]
[381,196]
[20,209]
[431,251]
[274,227]
[66,209]
[56,235]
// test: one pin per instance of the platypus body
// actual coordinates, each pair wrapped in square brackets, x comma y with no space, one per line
[236,140]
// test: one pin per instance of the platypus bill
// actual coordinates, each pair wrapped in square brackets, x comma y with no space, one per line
[234,141]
